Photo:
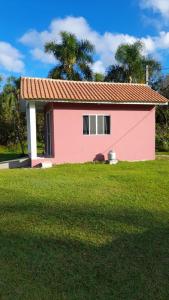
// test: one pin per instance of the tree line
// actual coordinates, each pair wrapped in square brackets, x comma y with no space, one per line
[74,60]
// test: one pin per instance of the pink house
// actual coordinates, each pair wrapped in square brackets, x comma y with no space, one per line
[85,120]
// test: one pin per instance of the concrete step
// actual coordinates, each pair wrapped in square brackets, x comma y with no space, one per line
[23,162]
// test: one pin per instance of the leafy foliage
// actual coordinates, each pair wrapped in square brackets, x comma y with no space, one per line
[162,118]
[98,77]
[116,73]
[12,121]
[74,57]
[132,65]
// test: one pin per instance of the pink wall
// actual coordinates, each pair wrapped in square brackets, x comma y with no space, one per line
[132,133]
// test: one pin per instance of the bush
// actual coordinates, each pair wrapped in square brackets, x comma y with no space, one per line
[162,138]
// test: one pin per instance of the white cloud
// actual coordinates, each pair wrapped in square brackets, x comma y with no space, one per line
[105,44]
[39,54]
[162,41]
[159,6]
[10,58]
[98,67]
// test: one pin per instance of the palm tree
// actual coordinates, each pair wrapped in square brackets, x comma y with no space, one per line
[74,58]
[116,73]
[131,58]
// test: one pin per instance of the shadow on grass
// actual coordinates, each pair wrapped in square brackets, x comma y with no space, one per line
[9,156]
[38,263]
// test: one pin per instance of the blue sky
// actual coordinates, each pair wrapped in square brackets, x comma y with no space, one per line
[26,27]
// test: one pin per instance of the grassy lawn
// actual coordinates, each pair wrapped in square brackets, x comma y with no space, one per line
[162,153]
[86,232]
[10,153]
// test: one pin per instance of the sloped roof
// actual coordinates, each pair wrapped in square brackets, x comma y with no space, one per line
[82,91]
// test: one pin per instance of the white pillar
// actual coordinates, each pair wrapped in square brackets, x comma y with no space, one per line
[31,129]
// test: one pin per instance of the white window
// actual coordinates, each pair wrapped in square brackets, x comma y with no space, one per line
[96,124]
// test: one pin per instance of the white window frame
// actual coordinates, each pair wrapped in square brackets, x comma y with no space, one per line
[96,115]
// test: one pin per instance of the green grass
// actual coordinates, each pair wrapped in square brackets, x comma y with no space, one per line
[14,152]
[162,153]
[7,153]
[81,232]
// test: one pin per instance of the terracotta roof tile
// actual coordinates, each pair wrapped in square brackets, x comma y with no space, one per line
[63,90]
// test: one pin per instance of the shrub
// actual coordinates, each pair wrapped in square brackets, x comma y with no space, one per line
[162,138]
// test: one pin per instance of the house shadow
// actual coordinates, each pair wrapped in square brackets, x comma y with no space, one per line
[41,257]
[23,162]
[20,162]
[9,156]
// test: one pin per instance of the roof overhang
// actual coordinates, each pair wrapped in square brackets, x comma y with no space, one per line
[41,103]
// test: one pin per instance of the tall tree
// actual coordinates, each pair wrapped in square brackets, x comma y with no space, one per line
[11,116]
[132,64]
[162,113]
[116,73]
[74,57]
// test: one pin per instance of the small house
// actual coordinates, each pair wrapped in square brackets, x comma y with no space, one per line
[85,120]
